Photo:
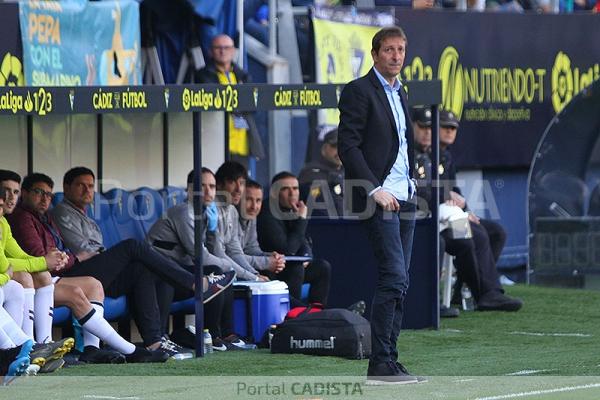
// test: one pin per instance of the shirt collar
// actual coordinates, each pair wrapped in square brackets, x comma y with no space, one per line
[385,83]
[221,200]
[73,206]
[24,208]
[244,222]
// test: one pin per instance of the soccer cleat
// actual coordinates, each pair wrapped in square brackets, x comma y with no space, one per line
[94,355]
[219,344]
[233,342]
[25,349]
[44,352]
[142,355]
[19,361]
[52,365]
[175,351]
[217,283]
[32,370]
[16,368]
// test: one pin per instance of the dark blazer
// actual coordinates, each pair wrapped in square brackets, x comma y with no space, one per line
[367,136]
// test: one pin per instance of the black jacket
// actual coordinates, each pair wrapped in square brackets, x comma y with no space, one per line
[446,171]
[208,74]
[284,235]
[322,169]
[367,136]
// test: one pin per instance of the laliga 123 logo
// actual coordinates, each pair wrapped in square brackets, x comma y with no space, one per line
[11,71]
[450,72]
[562,82]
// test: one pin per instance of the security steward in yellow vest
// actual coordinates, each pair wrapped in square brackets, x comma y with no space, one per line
[244,139]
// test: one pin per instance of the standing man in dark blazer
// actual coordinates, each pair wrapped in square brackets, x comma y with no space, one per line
[375,142]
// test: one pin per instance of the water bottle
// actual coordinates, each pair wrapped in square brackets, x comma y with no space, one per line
[468,303]
[207,340]
[271,333]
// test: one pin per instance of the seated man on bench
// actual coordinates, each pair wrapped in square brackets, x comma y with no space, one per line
[173,236]
[35,230]
[282,228]
[130,267]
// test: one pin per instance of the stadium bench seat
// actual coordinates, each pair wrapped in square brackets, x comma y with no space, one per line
[101,213]
[150,206]
[124,211]
[172,196]
[61,315]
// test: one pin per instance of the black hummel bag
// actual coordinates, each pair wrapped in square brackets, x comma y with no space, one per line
[332,332]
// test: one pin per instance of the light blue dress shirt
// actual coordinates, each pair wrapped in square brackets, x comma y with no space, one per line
[398,182]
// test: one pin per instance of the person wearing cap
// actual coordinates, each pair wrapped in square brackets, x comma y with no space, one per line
[492,232]
[448,130]
[322,180]
[421,117]
[422,120]
[476,257]
[422,133]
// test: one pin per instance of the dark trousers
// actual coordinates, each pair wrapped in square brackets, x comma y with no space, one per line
[317,273]
[475,263]
[496,235]
[391,237]
[140,286]
[121,267]
[218,313]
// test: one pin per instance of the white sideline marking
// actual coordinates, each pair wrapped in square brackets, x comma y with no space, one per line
[552,334]
[537,392]
[93,396]
[528,372]
[463,380]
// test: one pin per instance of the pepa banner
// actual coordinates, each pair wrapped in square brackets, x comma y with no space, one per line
[505,75]
[76,42]
[11,52]
[343,47]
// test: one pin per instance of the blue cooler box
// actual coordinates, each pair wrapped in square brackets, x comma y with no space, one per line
[270,304]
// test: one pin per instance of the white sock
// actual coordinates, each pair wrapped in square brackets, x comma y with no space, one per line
[14,332]
[13,300]
[97,325]
[44,310]
[27,323]
[9,327]
[5,341]
[89,339]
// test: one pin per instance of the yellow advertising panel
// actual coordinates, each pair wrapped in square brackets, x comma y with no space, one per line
[11,52]
[343,49]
